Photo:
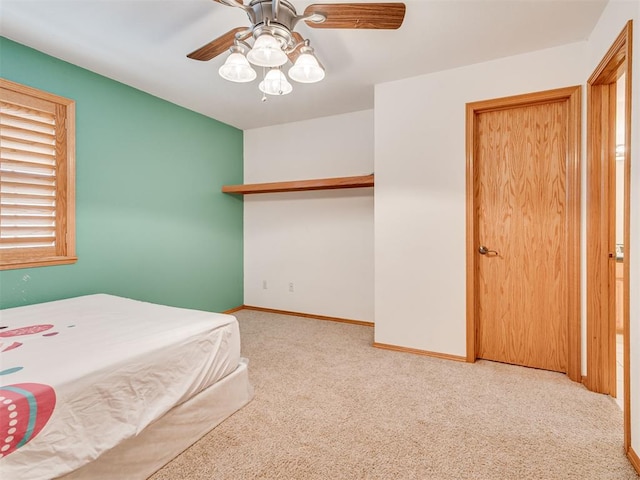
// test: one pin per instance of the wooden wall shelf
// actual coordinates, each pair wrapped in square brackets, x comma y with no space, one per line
[301,185]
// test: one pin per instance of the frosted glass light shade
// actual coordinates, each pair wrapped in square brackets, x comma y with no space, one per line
[266,52]
[237,69]
[306,69]
[275,83]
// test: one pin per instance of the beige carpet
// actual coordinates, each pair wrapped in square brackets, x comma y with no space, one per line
[330,406]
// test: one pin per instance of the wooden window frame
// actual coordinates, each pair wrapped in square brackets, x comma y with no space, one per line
[65,241]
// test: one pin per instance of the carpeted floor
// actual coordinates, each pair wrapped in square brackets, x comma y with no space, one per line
[330,406]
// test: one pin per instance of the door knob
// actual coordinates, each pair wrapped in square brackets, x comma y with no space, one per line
[485,251]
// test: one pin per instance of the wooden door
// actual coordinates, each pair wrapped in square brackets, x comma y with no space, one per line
[524,229]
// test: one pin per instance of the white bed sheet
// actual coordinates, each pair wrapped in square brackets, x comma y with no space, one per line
[116,365]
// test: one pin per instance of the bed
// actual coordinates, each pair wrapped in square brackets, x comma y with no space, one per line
[103,387]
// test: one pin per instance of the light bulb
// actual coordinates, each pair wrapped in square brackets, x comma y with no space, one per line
[267,52]
[237,68]
[275,83]
[306,69]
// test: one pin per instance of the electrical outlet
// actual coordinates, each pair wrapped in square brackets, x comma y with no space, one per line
[291,287]
[264,284]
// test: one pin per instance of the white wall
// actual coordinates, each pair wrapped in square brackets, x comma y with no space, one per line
[420,283]
[611,23]
[620,132]
[322,241]
[420,188]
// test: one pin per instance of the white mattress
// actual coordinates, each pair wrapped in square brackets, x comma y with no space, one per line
[108,366]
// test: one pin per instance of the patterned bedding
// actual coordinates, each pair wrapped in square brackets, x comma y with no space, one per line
[81,375]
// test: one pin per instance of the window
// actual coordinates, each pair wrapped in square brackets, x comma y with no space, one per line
[37,178]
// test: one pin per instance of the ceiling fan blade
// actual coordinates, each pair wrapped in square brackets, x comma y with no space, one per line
[217,46]
[231,3]
[295,53]
[357,15]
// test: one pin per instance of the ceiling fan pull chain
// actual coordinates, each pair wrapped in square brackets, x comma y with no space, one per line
[264,75]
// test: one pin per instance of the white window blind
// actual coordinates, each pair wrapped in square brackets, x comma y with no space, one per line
[28,177]
[34,180]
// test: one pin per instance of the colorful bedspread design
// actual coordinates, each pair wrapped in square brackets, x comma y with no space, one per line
[69,367]
[25,408]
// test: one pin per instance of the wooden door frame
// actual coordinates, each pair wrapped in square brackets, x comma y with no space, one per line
[601,329]
[572,95]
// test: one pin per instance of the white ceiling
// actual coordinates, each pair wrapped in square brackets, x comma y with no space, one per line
[144,43]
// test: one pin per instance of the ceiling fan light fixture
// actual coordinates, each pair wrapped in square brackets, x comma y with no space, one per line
[236,68]
[271,40]
[275,83]
[306,69]
[267,52]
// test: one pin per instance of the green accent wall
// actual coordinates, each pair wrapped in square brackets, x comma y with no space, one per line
[151,222]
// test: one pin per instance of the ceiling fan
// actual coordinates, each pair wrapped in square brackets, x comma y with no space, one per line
[275,41]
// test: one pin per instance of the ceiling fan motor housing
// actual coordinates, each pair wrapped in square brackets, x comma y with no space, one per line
[279,24]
